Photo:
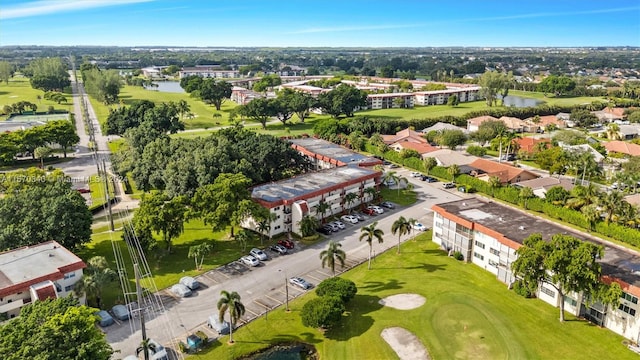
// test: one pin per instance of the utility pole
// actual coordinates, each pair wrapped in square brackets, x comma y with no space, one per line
[136,270]
[106,194]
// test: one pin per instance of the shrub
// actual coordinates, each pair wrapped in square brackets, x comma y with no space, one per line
[520,289]
[183,347]
[338,287]
[476,150]
[323,312]
[458,255]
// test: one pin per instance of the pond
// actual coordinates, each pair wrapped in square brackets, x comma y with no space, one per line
[520,102]
[166,86]
[286,352]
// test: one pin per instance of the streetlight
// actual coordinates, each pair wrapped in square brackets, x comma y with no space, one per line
[286,291]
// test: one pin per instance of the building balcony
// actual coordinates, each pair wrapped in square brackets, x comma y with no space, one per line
[13,305]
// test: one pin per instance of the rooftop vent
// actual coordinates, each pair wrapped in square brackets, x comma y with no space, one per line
[520,227]
[464,204]
[500,218]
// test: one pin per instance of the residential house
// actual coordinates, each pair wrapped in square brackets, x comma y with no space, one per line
[547,120]
[628,132]
[506,173]
[440,126]
[473,124]
[531,145]
[421,148]
[291,199]
[405,135]
[622,147]
[326,155]
[36,272]
[541,185]
[606,117]
[488,235]
[448,157]
[585,148]
[518,125]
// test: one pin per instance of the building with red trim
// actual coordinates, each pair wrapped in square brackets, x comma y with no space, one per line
[36,272]
[325,154]
[488,235]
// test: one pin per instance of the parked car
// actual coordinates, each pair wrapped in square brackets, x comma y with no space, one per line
[326,230]
[189,282]
[339,224]
[181,290]
[449,185]
[160,353]
[385,163]
[349,219]
[221,327]
[286,243]
[416,174]
[258,254]
[370,212]
[388,205]
[84,190]
[300,282]
[104,319]
[279,249]
[508,157]
[394,166]
[359,216]
[389,182]
[249,260]
[377,209]
[120,312]
[428,179]
[194,342]
[419,227]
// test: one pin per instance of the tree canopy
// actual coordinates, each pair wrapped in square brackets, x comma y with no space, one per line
[161,118]
[344,99]
[492,84]
[557,85]
[53,330]
[48,74]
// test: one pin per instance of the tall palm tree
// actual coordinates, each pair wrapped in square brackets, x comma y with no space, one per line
[526,193]
[591,214]
[263,227]
[230,302]
[429,163]
[494,183]
[583,196]
[609,203]
[401,227]
[349,199]
[331,254]
[371,192]
[322,209]
[391,176]
[454,171]
[401,179]
[199,252]
[96,276]
[613,131]
[369,233]
[243,237]
[146,347]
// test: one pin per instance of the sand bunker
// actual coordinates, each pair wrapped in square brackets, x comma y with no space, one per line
[405,344]
[403,301]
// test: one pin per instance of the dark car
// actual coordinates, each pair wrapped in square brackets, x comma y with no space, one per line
[279,249]
[324,230]
[286,243]
[428,179]
[508,157]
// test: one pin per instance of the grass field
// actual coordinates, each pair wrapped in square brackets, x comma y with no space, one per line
[96,185]
[561,101]
[468,314]
[19,89]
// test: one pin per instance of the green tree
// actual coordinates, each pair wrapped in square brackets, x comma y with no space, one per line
[54,329]
[308,225]
[369,233]
[6,71]
[48,74]
[453,100]
[525,194]
[610,204]
[591,214]
[454,171]
[63,133]
[321,209]
[557,85]
[331,254]
[230,302]
[42,152]
[429,163]
[146,348]
[491,83]
[215,92]
[323,312]
[95,278]
[263,227]
[336,286]
[226,202]
[259,110]
[243,237]
[298,102]
[401,227]
[583,196]
[566,263]
[494,184]
[349,199]
[161,214]
[452,138]
[199,252]
[344,99]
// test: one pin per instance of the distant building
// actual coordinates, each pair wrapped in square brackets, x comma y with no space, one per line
[390,100]
[36,272]
[209,72]
[440,126]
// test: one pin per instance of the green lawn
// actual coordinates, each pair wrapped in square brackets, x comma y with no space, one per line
[19,89]
[96,185]
[423,112]
[560,101]
[404,197]
[468,314]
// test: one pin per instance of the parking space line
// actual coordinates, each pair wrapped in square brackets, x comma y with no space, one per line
[315,278]
[255,314]
[211,278]
[276,300]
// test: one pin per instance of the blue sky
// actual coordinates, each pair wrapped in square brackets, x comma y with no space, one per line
[370,23]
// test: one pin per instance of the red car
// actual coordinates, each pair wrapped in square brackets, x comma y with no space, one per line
[370,212]
[83,191]
[286,243]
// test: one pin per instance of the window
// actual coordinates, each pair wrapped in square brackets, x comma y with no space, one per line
[68,288]
[570,301]
[475,254]
[494,251]
[630,297]
[277,227]
[545,290]
[479,244]
[493,263]
[627,309]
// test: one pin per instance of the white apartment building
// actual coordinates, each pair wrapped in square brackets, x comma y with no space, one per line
[440,97]
[488,235]
[209,72]
[326,155]
[36,272]
[390,100]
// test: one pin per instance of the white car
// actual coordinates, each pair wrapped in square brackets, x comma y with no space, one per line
[181,290]
[375,208]
[416,174]
[250,260]
[419,227]
[349,219]
[258,254]
[339,224]
[300,282]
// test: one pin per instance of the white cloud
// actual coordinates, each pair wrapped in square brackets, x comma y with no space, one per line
[35,8]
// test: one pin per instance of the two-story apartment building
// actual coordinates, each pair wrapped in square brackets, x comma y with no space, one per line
[440,97]
[209,72]
[292,199]
[36,272]
[390,100]
[488,235]
[326,155]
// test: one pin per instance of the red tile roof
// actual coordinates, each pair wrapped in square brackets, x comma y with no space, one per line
[615,111]
[46,292]
[528,144]
[622,147]
[506,173]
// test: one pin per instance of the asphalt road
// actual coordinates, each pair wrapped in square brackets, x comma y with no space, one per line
[263,287]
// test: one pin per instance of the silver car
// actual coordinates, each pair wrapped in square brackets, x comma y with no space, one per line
[300,282]
[181,290]
[258,254]
[250,260]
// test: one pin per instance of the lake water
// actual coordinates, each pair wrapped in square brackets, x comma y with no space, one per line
[167,86]
[520,102]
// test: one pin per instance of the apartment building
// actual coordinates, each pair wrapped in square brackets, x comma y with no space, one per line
[36,272]
[440,97]
[209,72]
[291,199]
[326,155]
[488,235]
[390,100]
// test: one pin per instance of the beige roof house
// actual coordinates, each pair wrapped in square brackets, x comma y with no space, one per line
[506,173]
[448,157]
[404,135]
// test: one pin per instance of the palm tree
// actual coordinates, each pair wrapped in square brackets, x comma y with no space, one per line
[263,226]
[391,176]
[454,171]
[322,209]
[613,131]
[349,199]
[583,196]
[494,183]
[369,233]
[146,347]
[429,163]
[402,179]
[96,276]
[609,204]
[199,252]
[402,227]
[230,302]
[330,255]
[183,108]
[591,214]
[372,192]
[243,237]
[526,193]
[308,225]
